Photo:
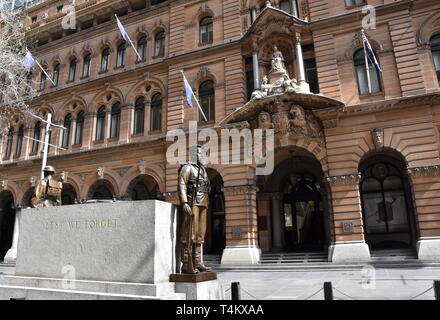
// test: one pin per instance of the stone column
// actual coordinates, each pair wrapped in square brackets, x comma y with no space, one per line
[264,223]
[294,6]
[125,123]
[277,227]
[241,225]
[253,14]
[348,242]
[11,255]
[426,195]
[256,68]
[300,65]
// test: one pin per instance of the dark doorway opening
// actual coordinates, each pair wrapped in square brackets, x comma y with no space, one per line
[216,229]
[303,215]
[7,220]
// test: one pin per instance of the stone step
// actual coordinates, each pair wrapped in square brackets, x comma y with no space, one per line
[136,289]
[30,293]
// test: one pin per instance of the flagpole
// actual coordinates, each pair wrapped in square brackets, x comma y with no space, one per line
[137,53]
[366,62]
[197,101]
[46,143]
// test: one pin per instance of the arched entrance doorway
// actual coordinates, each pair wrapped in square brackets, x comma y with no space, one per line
[386,203]
[7,220]
[68,194]
[298,208]
[143,187]
[303,214]
[216,228]
[101,189]
[27,197]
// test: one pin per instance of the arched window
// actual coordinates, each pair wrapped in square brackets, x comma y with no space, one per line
[207,100]
[42,81]
[142,48]
[86,65]
[384,200]
[72,70]
[66,133]
[100,120]
[435,48]
[37,133]
[9,143]
[206,33]
[19,141]
[159,44]
[285,5]
[361,74]
[56,74]
[28,82]
[115,120]
[79,128]
[105,59]
[120,57]
[139,112]
[156,112]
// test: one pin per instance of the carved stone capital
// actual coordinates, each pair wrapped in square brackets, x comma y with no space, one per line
[231,191]
[351,179]
[426,171]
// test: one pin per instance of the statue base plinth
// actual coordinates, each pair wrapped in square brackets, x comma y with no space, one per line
[200,286]
[199,277]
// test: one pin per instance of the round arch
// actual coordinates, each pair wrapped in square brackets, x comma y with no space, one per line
[386,201]
[101,189]
[68,194]
[143,187]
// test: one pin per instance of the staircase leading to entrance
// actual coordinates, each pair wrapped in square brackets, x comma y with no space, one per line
[393,255]
[297,257]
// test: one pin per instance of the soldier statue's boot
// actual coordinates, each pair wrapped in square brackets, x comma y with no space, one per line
[184,260]
[199,264]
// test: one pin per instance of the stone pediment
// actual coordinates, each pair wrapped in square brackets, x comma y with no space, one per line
[290,115]
[273,16]
[307,101]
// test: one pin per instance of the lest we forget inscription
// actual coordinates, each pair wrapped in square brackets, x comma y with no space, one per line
[129,241]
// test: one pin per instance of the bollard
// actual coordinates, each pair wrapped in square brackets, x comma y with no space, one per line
[235,291]
[437,289]
[328,291]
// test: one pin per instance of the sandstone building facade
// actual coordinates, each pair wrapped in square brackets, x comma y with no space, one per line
[356,169]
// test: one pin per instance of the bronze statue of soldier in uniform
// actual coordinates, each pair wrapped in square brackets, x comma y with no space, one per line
[193,188]
[48,190]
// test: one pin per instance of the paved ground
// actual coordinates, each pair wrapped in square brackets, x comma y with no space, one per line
[376,284]
[379,284]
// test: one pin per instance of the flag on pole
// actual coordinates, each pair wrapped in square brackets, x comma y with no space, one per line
[189,94]
[29,61]
[370,52]
[188,91]
[121,28]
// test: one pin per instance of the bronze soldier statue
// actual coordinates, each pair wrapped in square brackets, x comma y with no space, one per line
[48,190]
[193,188]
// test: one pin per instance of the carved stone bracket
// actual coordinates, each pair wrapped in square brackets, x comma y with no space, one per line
[100,172]
[63,176]
[351,179]
[33,181]
[377,135]
[426,171]
[4,184]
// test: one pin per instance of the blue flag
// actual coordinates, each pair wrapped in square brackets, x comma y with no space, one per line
[29,61]
[121,29]
[371,53]
[188,91]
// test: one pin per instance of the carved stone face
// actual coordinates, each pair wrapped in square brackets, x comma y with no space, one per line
[297,113]
[263,117]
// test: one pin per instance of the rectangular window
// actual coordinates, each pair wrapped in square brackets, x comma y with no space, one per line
[311,75]
[249,77]
[33,19]
[59,9]
[351,3]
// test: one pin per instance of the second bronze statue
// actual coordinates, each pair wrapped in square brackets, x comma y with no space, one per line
[193,189]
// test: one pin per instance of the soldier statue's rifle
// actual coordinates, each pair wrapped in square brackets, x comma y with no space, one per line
[191,263]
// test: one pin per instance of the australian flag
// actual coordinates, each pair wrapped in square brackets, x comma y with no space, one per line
[29,61]
[369,50]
